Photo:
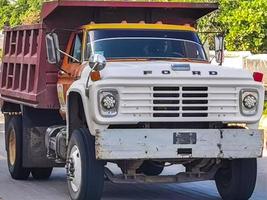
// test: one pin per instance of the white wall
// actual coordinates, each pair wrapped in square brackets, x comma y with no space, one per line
[233,59]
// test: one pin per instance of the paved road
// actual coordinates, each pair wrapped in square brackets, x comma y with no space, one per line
[55,188]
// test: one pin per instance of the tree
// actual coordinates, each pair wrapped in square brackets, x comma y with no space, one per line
[32,14]
[243,21]
[19,12]
[5,13]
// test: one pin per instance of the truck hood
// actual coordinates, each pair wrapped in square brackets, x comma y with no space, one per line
[166,69]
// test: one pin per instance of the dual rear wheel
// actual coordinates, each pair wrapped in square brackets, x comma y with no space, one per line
[14,149]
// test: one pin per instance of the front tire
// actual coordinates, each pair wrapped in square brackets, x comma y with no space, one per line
[236,180]
[151,168]
[14,149]
[85,173]
[41,173]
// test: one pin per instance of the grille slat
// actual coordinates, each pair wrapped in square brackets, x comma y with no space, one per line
[166,95]
[195,108]
[198,101]
[166,102]
[165,108]
[195,115]
[194,95]
[166,115]
[166,88]
[195,88]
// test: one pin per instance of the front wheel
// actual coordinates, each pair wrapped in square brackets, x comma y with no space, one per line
[85,173]
[236,179]
[151,168]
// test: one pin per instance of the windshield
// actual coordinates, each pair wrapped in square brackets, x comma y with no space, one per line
[133,44]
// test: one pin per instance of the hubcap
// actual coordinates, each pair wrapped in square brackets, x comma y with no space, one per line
[12,147]
[74,168]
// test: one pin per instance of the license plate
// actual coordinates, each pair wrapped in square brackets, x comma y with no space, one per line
[184,138]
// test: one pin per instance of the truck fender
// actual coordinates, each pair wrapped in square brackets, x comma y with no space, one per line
[77,103]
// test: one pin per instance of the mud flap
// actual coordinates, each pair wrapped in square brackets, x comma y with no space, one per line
[35,123]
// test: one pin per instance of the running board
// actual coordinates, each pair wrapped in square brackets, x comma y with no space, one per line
[182,177]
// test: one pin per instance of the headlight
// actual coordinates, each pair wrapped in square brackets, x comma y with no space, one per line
[249,102]
[108,101]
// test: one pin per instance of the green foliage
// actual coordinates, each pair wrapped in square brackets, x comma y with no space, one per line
[18,12]
[5,12]
[243,21]
[265,108]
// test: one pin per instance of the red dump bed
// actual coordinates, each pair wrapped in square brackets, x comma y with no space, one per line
[27,78]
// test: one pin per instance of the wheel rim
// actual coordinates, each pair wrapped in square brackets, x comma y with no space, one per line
[76,171]
[12,147]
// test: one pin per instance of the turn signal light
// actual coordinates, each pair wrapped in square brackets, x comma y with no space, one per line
[258,76]
[95,76]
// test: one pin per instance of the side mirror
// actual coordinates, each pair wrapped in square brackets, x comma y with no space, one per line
[52,48]
[97,62]
[206,46]
[219,48]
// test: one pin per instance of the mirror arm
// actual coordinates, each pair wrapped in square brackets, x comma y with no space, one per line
[68,55]
[59,67]
[62,52]
[212,59]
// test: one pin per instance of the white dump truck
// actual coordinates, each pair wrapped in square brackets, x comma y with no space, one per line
[127,83]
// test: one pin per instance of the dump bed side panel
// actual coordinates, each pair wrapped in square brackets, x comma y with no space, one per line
[26,77]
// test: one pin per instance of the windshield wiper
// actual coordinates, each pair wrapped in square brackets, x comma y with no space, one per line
[157,59]
[180,59]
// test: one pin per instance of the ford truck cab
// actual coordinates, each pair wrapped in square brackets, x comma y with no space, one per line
[147,95]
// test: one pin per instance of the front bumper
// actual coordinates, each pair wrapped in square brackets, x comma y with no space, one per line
[125,144]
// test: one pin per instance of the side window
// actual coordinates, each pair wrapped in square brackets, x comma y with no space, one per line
[76,49]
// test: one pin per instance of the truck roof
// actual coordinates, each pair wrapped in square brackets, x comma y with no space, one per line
[74,14]
[142,26]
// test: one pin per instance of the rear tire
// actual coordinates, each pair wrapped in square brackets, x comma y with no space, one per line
[85,173]
[41,173]
[236,180]
[14,149]
[151,168]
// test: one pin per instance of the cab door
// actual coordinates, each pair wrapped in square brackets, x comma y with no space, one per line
[72,66]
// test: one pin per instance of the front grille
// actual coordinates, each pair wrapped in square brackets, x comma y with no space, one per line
[173,103]
[193,99]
